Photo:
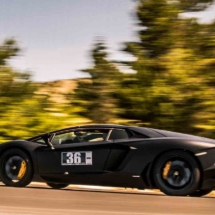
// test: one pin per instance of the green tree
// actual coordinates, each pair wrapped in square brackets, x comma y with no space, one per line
[8,49]
[25,109]
[174,60]
[96,96]
[14,88]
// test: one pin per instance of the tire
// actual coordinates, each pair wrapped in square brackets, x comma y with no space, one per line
[200,193]
[15,168]
[57,186]
[177,173]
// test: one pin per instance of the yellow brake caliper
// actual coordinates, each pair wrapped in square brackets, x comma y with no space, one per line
[22,170]
[166,169]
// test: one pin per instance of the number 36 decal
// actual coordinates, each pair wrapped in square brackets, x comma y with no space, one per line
[76,158]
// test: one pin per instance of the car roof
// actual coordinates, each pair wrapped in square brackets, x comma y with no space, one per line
[103,126]
[92,126]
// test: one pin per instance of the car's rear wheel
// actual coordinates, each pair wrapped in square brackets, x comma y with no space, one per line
[177,173]
[15,168]
[57,185]
[200,193]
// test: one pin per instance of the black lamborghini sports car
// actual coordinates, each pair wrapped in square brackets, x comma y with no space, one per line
[112,155]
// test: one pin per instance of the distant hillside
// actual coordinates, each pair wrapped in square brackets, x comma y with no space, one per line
[56,90]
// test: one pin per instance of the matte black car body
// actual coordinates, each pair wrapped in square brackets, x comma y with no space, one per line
[119,162]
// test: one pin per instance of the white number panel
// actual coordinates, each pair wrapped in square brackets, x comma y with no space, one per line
[76,158]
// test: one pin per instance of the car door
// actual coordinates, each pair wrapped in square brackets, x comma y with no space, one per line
[119,150]
[75,151]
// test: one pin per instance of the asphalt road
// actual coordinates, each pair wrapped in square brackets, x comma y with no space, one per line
[37,200]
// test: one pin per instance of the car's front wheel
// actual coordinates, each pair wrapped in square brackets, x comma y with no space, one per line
[57,185]
[177,173]
[15,168]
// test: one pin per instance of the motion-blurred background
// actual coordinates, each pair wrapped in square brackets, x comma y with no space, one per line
[148,63]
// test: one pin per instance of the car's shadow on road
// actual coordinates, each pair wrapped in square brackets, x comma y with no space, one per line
[124,192]
[121,192]
[99,191]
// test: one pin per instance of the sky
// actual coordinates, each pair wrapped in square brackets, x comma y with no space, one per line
[56,36]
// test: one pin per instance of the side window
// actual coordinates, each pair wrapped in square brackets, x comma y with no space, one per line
[117,134]
[92,135]
[63,138]
[41,141]
[78,136]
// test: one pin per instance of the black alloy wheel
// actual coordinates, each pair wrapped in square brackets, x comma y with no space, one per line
[57,185]
[15,168]
[177,173]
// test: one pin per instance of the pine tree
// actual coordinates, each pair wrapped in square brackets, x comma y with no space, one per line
[15,87]
[172,65]
[96,96]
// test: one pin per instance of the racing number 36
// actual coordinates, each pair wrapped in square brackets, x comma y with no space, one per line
[73,157]
[76,158]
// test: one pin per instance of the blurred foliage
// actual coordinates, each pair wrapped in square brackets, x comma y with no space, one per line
[173,86]
[27,108]
[96,96]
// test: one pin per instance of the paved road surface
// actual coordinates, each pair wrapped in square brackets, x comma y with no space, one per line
[41,200]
